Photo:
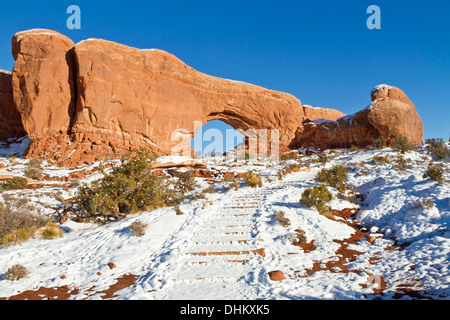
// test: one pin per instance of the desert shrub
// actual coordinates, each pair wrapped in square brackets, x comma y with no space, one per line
[234,184]
[280,174]
[210,190]
[288,156]
[380,160]
[282,219]
[335,177]
[15,183]
[438,149]
[350,198]
[198,196]
[138,228]
[401,163]
[323,158]
[316,197]
[402,144]
[51,231]
[380,143]
[252,179]
[128,189]
[16,272]
[186,181]
[297,239]
[354,148]
[18,221]
[425,203]
[34,169]
[434,172]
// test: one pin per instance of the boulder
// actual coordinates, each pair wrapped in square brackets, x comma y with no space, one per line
[390,114]
[276,275]
[393,114]
[10,119]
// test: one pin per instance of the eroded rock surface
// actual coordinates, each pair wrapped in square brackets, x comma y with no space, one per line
[390,114]
[99,99]
[10,120]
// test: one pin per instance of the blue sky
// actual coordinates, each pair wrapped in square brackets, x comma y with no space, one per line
[319,51]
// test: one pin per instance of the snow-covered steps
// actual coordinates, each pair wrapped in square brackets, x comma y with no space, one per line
[223,242]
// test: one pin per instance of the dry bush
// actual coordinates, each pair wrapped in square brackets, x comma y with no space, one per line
[186,181]
[51,231]
[34,169]
[380,143]
[297,239]
[282,219]
[401,163]
[380,160]
[435,172]
[210,190]
[18,221]
[252,179]
[16,272]
[438,149]
[402,144]
[138,228]
[425,203]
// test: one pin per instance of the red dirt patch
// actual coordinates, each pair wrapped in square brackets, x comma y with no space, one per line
[55,293]
[125,281]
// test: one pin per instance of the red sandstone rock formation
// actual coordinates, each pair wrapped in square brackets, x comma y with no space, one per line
[390,114]
[127,95]
[125,98]
[43,87]
[10,120]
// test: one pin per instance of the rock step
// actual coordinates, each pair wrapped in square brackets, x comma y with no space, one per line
[259,251]
[227,241]
[233,247]
[231,268]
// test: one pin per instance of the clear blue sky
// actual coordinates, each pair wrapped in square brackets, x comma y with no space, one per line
[319,51]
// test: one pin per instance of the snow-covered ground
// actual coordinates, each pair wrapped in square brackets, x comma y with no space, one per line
[225,246]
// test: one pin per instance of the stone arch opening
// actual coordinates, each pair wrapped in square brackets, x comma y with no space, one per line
[216,136]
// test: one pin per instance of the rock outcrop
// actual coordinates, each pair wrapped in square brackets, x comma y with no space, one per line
[10,120]
[390,114]
[98,98]
[43,86]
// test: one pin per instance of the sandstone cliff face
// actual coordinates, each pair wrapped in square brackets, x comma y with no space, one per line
[390,114]
[43,85]
[99,98]
[10,120]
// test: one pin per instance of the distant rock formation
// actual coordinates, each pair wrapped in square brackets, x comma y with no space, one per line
[99,98]
[390,114]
